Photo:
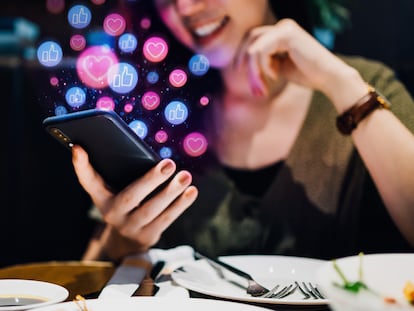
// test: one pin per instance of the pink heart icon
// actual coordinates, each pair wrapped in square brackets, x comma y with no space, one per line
[195,144]
[96,67]
[114,24]
[155,49]
[93,66]
[178,78]
[150,100]
[161,136]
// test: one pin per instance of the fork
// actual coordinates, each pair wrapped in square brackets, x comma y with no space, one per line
[285,291]
[253,287]
[309,291]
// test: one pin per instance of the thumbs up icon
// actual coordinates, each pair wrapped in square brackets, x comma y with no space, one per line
[49,53]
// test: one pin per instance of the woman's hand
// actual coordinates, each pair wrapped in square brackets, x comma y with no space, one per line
[285,51]
[140,222]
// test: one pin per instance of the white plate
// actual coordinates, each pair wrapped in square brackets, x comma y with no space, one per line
[29,294]
[385,274]
[153,304]
[201,277]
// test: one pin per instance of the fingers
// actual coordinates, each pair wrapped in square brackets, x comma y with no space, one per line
[89,179]
[132,196]
[147,222]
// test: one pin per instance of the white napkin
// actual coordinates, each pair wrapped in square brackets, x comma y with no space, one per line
[127,277]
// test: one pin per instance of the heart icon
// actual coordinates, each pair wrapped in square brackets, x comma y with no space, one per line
[150,102]
[93,66]
[161,136]
[178,78]
[114,24]
[96,67]
[195,144]
[155,49]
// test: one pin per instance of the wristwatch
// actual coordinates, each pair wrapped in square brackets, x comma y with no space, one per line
[349,120]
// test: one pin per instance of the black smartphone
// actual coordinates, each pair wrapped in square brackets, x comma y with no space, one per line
[116,152]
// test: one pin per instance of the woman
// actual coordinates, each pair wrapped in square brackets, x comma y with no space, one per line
[313,190]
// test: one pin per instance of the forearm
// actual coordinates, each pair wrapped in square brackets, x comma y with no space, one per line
[387,149]
[385,145]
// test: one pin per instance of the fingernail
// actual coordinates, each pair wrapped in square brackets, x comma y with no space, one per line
[167,167]
[184,178]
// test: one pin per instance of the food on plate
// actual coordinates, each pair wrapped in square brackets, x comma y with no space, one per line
[409,292]
[351,286]
[357,286]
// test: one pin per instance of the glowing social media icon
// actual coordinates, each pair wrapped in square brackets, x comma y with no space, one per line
[153,77]
[75,97]
[122,78]
[93,65]
[165,152]
[114,24]
[161,136]
[198,65]
[195,144]
[145,23]
[79,16]
[140,128]
[150,100]
[49,53]
[155,49]
[178,78]
[176,112]
[54,81]
[127,43]
[77,42]
[105,103]
[60,110]
[204,101]
[128,107]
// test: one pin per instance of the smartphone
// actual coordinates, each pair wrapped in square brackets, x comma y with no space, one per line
[116,152]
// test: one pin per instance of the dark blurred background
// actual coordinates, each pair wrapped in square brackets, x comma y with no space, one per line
[43,210]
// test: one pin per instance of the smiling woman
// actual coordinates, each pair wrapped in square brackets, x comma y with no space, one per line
[275,93]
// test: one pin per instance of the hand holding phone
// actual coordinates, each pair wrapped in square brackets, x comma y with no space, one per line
[115,150]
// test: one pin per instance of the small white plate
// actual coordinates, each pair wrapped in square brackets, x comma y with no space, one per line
[153,304]
[21,294]
[201,277]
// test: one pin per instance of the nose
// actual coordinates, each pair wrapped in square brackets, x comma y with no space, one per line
[188,7]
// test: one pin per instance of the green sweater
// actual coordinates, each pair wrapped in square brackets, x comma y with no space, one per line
[321,202]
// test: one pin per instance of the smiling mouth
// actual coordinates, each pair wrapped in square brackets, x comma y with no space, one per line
[202,33]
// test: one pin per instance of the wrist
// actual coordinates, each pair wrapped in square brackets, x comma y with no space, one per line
[348,120]
[344,88]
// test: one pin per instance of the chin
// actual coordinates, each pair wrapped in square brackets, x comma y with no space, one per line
[220,59]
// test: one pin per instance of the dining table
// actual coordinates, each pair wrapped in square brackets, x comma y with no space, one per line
[90,279]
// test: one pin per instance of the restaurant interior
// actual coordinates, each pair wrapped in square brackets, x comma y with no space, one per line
[44,211]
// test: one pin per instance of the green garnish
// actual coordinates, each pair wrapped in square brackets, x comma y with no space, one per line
[348,285]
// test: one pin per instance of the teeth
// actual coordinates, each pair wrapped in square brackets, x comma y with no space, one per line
[207,29]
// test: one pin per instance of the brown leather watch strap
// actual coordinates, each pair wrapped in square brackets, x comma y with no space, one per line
[349,120]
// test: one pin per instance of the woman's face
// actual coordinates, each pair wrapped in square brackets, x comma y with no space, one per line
[214,28]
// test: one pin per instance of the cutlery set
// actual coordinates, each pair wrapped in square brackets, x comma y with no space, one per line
[255,289]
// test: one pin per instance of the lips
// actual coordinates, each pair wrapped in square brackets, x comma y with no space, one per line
[205,32]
